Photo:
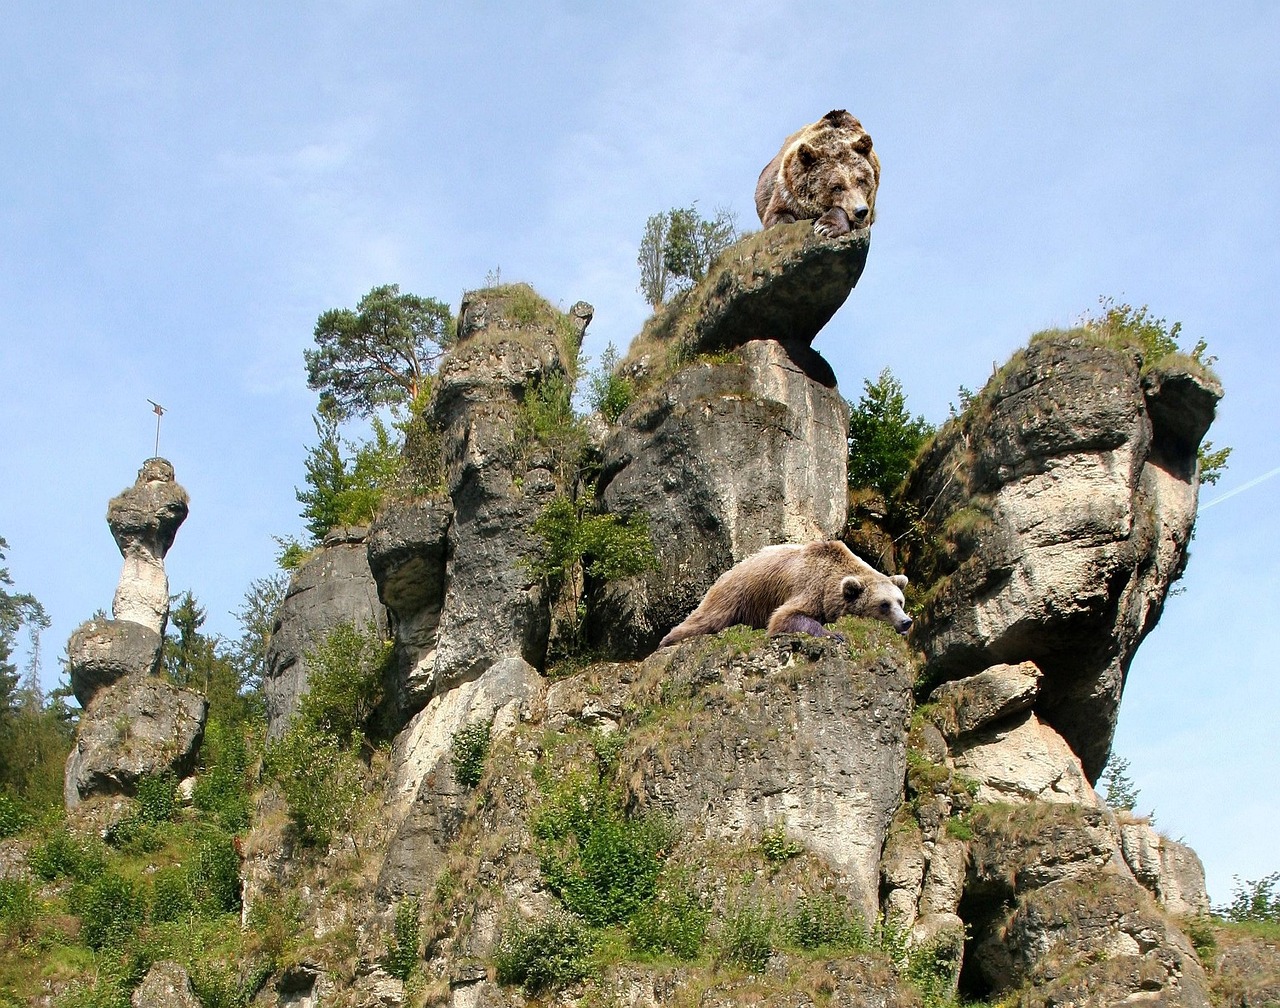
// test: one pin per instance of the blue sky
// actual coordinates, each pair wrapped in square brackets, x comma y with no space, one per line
[185,188]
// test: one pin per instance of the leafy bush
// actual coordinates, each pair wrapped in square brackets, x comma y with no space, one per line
[18,907]
[215,876]
[470,750]
[747,938]
[222,787]
[111,909]
[402,953]
[1253,901]
[610,393]
[883,437]
[344,681]
[777,847]
[63,855]
[549,953]
[825,922]
[605,546]
[674,922]
[13,819]
[157,797]
[321,781]
[171,895]
[602,863]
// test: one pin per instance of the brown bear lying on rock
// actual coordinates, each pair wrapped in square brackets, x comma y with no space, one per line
[796,589]
[826,170]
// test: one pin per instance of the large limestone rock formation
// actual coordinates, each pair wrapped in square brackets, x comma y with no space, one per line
[144,520]
[1064,498]
[729,453]
[335,586]
[134,723]
[499,477]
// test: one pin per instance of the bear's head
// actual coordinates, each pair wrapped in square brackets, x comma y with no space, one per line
[876,597]
[835,174]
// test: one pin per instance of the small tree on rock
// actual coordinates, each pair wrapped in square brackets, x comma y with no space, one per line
[378,355]
[883,437]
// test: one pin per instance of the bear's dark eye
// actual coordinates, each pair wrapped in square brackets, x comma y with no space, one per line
[884,606]
[837,188]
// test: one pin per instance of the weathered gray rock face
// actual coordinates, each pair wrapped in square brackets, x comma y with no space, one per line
[408,555]
[144,520]
[724,459]
[1023,760]
[499,478]
[334,587]
[140,726]
[784,283]
[425,802]
[1067,493]
[1050,906]
[1169,870]
[815,744]
[101,652]
[166,985]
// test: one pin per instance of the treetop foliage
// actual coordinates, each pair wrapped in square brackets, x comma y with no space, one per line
[883,436]
[678,247]
[379,354]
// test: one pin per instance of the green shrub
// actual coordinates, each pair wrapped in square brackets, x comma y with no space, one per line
[606,546]
[13,818]
[470,750]
[110,909]
[826,922]
[321,779]
[63,855]
[602,863]
[747,938]
[777,847]
[549,953]
[1253,901]
[157,797]
[222,787]
[883,437]
[171,895]
[675,922]
[402,952]
[215,876]
[610,393]
[344,680]
[19,907]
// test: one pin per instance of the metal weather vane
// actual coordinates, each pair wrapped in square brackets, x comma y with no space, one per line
[159,411]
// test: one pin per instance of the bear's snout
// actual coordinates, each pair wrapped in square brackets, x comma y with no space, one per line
[861,212]
[904,625]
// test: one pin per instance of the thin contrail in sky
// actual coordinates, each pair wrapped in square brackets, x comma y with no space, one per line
[1242,488]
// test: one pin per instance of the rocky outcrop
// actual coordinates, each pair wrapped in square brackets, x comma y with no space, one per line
[335,586]
[783,283]
[1050,908]
[144,520]
[1058,510]
[723,459]
[139,727]
[408,556]
[1169,870]
[166,985]
[134,724]
[500,475]
[102,651]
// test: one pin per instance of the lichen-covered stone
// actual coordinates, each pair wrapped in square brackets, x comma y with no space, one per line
[333,587]
[722,459]
[140,726]
[102,651]
[144,520]
[1064,499]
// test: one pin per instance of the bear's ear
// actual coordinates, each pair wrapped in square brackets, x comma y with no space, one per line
[900,580]
[863,144]
[839,117]
[807,155]
[851,587]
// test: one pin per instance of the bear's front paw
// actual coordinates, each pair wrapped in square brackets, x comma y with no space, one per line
[832,224]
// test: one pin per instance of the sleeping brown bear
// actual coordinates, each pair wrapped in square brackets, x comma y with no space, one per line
[826,171]
[796,589]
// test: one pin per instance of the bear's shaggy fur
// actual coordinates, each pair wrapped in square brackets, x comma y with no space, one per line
[826,171]
[796,589]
